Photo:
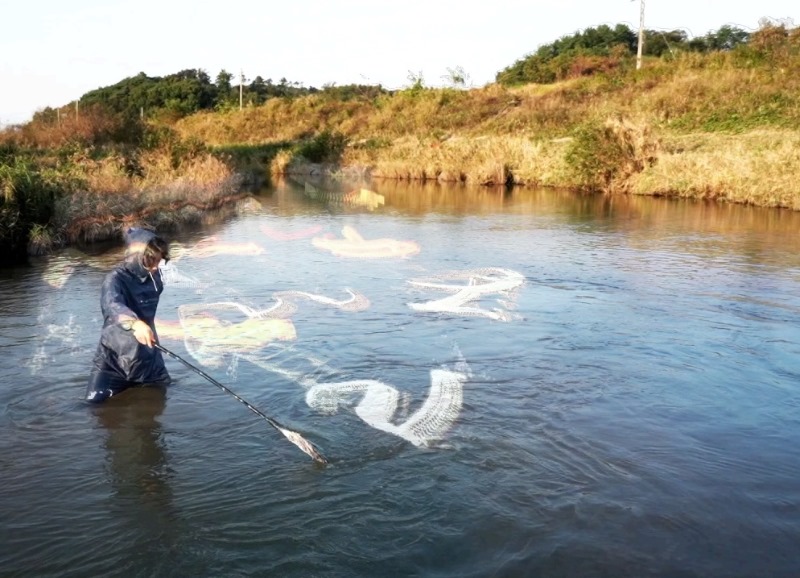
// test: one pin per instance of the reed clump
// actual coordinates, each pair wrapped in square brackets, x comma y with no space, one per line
[604,157]
[61,187]
[760,167]
[113,195]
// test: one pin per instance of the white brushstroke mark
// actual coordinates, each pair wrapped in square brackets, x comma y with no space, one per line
[356,301]
[479,283]
[382,406]
[354,245]
[173,278]
[66,336]
[380,402]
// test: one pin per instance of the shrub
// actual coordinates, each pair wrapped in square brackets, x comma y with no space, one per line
[27,198]
[327,146]
[603,156]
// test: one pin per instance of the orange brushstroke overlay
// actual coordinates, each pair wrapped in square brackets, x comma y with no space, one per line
[247,335]
[354,245]
[366,198]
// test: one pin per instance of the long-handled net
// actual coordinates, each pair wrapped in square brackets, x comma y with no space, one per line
[292,436]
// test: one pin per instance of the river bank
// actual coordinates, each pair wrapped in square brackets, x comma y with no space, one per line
[760,168]
[681,126]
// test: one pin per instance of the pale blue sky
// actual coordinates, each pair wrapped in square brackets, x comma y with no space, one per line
[53,51]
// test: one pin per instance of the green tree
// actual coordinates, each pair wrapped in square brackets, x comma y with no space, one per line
[727,38]
[591,50]
[657,43]
[257,90]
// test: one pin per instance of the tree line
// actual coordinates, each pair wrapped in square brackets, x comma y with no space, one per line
[594,50]
[192,90]
[603,48]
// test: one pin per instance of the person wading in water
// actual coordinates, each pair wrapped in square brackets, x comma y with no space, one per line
[129,297]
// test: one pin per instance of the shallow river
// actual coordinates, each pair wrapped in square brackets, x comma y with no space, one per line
[524,383]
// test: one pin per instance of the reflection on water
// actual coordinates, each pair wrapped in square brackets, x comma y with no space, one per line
[136,451]
[755,231]
[552,385]
[359,197]
[138,473]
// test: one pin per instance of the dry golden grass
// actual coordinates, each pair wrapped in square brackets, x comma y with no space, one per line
[276,120]
[481,160]
[161,195]
[101,175]
[689,94]
[88,126]
[760,168]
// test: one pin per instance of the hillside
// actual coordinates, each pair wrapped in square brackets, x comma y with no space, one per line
[720,125]
[710,118]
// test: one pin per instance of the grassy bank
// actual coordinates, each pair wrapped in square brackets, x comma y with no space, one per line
[71,184]
[719,126]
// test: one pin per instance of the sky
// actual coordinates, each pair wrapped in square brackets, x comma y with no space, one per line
[54,51]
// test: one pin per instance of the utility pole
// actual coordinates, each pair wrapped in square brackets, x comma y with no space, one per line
[641,36]
[76,108]
[241,85]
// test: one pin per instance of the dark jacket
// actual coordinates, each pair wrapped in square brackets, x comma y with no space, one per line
[129,291]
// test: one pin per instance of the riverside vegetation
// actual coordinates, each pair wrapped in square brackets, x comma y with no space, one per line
[716,117]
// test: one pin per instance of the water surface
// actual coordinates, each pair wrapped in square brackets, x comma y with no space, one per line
[629,408]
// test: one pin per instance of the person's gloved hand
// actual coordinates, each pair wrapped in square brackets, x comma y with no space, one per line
[143,333]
